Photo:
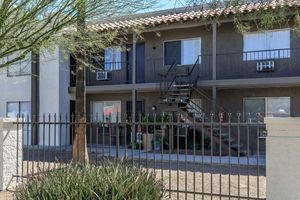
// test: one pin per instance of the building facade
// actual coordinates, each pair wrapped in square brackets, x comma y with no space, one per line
[180,65]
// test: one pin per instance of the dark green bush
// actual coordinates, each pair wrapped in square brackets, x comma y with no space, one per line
[107,181]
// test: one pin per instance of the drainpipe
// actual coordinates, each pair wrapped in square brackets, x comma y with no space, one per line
[214,65]
[35,96]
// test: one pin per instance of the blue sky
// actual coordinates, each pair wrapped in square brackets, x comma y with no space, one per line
[167,4]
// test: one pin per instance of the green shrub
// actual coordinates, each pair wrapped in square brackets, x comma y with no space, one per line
[107,181]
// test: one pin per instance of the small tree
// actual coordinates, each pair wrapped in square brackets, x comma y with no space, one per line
[85,43]
[28,26]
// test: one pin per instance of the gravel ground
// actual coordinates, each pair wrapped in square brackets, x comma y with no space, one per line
[188,177]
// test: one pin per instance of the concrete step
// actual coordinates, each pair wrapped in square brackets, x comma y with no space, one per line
[181,85]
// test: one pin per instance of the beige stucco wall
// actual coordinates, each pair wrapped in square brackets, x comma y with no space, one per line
[283,159]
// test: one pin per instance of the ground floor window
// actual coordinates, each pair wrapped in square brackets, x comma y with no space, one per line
[18,108]
[107,111]
[21,109]
[267,107]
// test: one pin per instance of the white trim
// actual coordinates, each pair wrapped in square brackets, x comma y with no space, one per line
[100,118]
[265,101]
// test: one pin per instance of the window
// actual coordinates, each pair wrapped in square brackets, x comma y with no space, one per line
[266,106]
[182,52]
[21,109]
[19,68]
[112,58]
[15,109]
[195,107]
[267,45]
[110,110]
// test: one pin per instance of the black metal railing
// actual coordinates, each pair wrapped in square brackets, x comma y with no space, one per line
[258,64]
[236,65]
[226,161]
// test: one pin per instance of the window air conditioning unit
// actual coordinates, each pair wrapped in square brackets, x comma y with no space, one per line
[266,66]
[101,76]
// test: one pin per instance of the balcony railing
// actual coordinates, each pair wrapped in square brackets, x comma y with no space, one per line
[238,65]
[258,64]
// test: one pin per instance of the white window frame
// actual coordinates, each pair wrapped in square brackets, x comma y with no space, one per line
[267,53]
[100,115]
[181,40]
[19,107]
[26,130]
[266,99]
[116,59]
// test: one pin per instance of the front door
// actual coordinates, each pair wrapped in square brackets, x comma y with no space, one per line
[140,63]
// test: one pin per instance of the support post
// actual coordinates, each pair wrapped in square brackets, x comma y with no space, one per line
[214,65]
[214,97]
[35,96]
[214,51]
[133,137]
[134,58]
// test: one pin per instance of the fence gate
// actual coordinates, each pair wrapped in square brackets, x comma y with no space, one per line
[208,157]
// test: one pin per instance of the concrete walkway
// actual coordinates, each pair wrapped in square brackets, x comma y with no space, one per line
[143,154]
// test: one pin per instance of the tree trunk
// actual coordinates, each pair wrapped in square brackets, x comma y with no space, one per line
[80,153]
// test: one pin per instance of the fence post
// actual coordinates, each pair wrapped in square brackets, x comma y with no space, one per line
[283,158]
[10,153]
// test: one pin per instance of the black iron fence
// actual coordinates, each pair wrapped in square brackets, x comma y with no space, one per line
[196,157]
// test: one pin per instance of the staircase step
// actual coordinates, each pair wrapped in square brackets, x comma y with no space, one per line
[180,89]
[179,94]
[182,75]
[181,85]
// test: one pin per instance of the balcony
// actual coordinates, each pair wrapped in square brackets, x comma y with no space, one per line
[258,64]
[240,65]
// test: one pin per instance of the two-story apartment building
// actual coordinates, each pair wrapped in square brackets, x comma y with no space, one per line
[184,64]
[208,66]
[181,64]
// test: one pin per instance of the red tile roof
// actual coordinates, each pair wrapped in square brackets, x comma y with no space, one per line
[155,20]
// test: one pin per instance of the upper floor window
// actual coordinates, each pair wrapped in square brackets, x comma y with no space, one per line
[182,52]
[112,58]
[19,68]
[267,45]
